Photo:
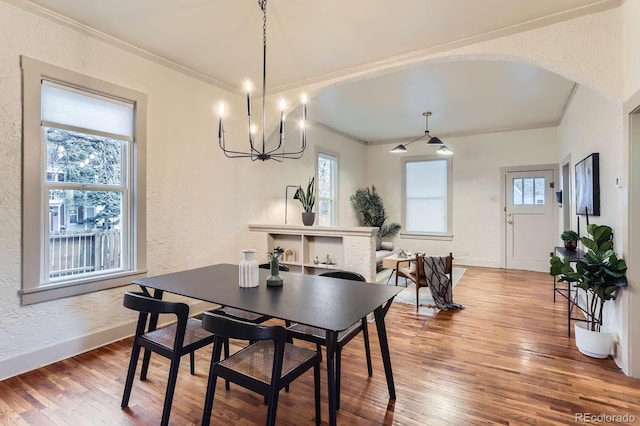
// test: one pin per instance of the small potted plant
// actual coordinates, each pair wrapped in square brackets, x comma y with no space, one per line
[274,279]
[600,274]
[570,239]
[308,200]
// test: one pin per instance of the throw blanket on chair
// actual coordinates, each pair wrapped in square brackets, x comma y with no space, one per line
[435,268]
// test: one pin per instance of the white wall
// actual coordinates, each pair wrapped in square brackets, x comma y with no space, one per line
[199,202]
[476,188]
[593,123]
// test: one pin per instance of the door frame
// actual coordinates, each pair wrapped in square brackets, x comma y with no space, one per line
[555,168]
[567,195]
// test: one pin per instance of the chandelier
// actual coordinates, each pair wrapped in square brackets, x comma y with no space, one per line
[260,151]
[431,140]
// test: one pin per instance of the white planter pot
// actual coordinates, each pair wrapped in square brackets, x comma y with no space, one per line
[592,343]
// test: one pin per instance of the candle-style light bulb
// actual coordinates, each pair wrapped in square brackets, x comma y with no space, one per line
[247,86]
[220,125]
[252,133]
[283,105]
[304,106]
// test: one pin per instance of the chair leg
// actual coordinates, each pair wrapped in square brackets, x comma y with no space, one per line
[133,363]
[226,355]
[319,350]
[338,368]
[417,297]
[208,399]
[192,362]
[367,347]
[171,387]
[316,385]
[145,364]
[273,404]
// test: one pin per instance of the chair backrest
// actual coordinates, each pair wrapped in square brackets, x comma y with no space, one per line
[231,328]
[143,303]
[345,275]
[281,266]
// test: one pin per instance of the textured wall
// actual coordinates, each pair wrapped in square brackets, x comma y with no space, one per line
[199,202]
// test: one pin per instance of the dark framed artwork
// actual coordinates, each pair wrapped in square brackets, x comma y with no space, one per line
[588,186]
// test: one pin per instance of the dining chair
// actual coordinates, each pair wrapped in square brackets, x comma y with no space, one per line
[173,341]
[319,336]
[265,367]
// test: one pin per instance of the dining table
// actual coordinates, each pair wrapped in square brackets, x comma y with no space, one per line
[327,303]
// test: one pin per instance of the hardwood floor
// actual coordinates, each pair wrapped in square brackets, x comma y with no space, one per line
[505,359]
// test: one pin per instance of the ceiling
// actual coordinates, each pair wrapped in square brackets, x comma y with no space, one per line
[220,41]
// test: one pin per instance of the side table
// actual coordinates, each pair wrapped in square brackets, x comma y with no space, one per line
[394,262]
[564,288]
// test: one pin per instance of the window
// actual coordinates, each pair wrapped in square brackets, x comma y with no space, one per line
[84,183]
[528,191]
[327,189]
[427,196]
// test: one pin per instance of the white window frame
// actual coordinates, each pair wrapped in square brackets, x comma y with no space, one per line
[34,173]
[448,234]
[331,156]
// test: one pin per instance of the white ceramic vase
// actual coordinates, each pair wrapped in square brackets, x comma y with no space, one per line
[248,273]
[596,344]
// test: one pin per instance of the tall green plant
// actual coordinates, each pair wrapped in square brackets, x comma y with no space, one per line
[308,198]
[368,203]
[600,274]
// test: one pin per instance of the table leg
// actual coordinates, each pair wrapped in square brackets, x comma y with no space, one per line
[332,343]
[384,348]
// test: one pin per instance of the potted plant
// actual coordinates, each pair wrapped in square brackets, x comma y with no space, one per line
[570,239]
[368,203]
[274,279]
[308,200]
[600,274]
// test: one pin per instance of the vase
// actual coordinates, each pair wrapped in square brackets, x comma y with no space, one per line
[248,269]
[571,245]
[596,344]
[308,218]
[274,279]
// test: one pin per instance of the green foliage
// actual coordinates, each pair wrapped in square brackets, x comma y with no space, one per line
[368,203]
[308,198]
[600,274]
[87,159]
[275,254]
[569,236]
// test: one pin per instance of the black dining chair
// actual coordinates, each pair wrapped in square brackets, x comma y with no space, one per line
[319,336]
[173,341]
[265,367]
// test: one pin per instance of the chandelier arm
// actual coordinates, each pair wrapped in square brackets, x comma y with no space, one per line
[426,133]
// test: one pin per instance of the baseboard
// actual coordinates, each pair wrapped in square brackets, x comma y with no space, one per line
[40,357]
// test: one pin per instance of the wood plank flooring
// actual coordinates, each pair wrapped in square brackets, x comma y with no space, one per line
[505,359]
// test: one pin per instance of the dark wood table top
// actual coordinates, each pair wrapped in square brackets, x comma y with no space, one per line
[327,303]
[573,255]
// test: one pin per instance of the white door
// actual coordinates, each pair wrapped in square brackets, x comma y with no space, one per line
[529,219]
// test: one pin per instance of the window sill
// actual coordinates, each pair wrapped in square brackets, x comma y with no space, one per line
[434,237]
[68,289]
